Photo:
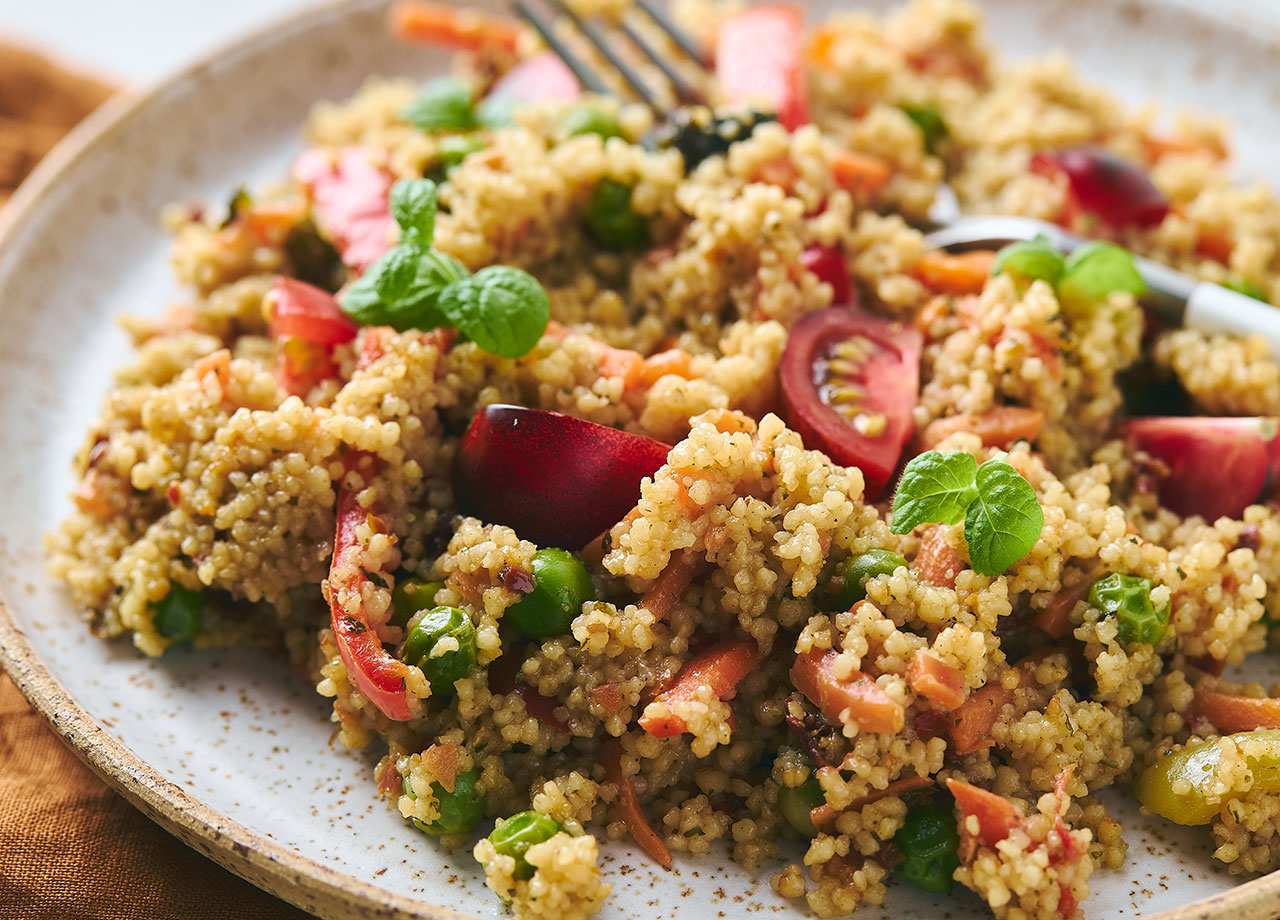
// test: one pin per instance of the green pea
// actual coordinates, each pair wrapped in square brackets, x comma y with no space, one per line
[561,585]
[848,584]
[514,836]
[452,151]
[410,596]
[611,220]
[460,810]
[796,804]
[426,630]
[930,844]
[587,119]
[179,615]
[1128,599]
[930,122]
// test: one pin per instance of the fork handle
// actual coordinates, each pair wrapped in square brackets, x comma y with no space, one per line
[1213,308]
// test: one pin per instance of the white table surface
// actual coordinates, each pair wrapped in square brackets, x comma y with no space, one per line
[139,41]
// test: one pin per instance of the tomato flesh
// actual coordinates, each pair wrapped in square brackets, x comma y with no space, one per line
[1120,193]
[760,58]
[299,309]
[541,78]
[849,382]
[828,264]
[1211,467]
[349,197]
[557,480]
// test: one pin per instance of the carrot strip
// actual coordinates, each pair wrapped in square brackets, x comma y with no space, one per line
[937,563]
[856,698]
[1216,242]
[671,584]
[971,728]
[936,681]
[675,361]
[1055,619]
[1230,712]
[629,805]
[996,815]
[959,273]
[720,667]
[999,426]
[446,24]
[861,174]
[823,814]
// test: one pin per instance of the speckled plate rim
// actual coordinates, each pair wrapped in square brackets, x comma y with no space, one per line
[256,858]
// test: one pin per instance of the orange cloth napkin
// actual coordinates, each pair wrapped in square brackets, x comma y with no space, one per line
[70,847]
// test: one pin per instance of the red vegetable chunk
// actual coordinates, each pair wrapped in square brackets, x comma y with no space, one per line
[1103,184]
[299,309]
[721,668]
[760,59]
[557,480]
[1213,467]
[541,78]
[349,197]
[849,383]
[828,264]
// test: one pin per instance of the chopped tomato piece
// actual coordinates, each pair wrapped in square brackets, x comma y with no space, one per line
[541,78]
[629,805]
[759,59]
[1055,619]
[936,681]
[456,27]
[349,197]
[855,698]
[827,263]
[720,667]
[999,426]
[1230,713]
[996,815]
[299,309]
[849,383]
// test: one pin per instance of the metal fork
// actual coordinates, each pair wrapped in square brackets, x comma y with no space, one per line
[1174,297]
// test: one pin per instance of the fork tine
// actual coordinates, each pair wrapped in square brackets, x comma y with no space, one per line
[674,32]
[586,76]
[597,39]
[685,90]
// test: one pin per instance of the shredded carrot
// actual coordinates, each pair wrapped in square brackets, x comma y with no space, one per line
[456,27]
[999,426]
[218,364]
[629,805]
[936,681]
[1055,619]
[686,479]
[824,814]
[780,172]
[971,727]
[937,562]
[720,667]
[674,361]
[1229,712]
[996,815]
[671,584]
[860,174]
[822,42]
[856,698]
[956,273]
[1158,146]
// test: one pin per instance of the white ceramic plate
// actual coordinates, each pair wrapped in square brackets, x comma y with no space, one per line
[230,749]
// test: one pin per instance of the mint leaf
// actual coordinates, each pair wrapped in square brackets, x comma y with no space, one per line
[402,289]
[935,488]
[1096,270]
[1004,521]
[443,105]
[930,122]
[1031,260]
[413,205]
[503,310]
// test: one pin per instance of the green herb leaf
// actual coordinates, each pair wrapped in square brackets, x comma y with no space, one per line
[413,205]
[179,615]
[1004,521]
[503,310]
[1128,599]
[496,112]
[589,119]
[930,122]
[402,289]
[443,105]
[239,201]
[1096,270]
[935,488]
[451,152]
[612,221]
[1031,260]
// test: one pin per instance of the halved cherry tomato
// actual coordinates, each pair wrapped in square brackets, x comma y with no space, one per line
[558,480]
[760,57]
[849,383]
[1120,193]
[1213,467]
[828,264]
[299,309]
[349,197]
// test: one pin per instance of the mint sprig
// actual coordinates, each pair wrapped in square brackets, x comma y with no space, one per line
[503,310]
[442,105]
[1089,274]
[1002,516]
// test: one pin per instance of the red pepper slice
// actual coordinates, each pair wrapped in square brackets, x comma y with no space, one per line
[760,57]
